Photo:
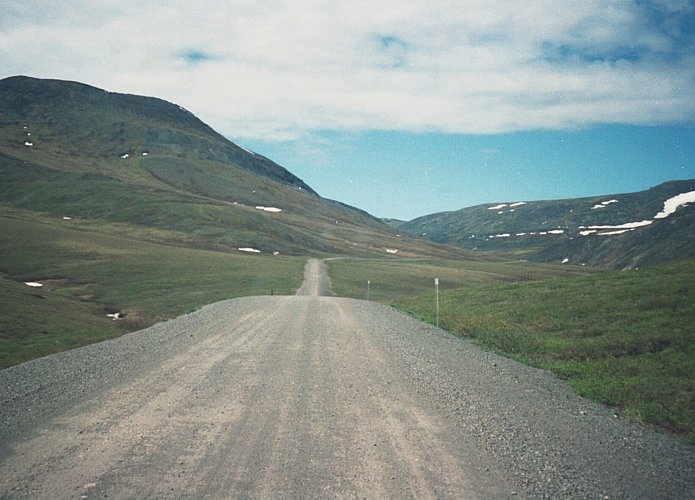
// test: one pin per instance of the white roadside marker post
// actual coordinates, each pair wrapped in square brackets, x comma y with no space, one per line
[368,285]
[436,288]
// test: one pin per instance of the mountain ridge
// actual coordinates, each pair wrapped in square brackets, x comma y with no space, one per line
[20,95]
[81,153]
[624,230]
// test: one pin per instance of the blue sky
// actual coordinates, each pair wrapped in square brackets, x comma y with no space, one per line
[406,175]
[402,108]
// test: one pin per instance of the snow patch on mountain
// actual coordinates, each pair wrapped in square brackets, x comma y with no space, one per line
[612,233]
[603,204]
[628,225]
[269,209]
[511,206]
[672,204]
[670,207]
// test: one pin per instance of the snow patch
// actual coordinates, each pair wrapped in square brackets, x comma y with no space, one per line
[613,229]
[497,207]
[672,204]
[391,250]
[565,260]
[33,284]
[557,231]
[29,144]
[248,249]
[603,204]
[269,209]
[125,156]
[611,233]
[517,204]
[67,218]
[116,316]
[628,225]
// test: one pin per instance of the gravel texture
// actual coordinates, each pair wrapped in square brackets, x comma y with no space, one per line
[311,396]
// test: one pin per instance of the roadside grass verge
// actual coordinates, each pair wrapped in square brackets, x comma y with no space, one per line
[91,269]
[35,323]
[393,278]
[625,339]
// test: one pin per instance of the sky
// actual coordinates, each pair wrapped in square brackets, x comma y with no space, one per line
[401,108]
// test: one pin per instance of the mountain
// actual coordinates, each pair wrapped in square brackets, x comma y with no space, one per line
[90,122]
[78,152]
[619,231]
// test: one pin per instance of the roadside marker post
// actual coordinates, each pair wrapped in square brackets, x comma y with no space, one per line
[368,286]
[436,288]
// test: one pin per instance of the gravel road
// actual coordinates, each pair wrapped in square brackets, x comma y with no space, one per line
[314,396]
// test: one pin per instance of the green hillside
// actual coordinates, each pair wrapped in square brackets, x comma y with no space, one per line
[71,150]
[578,231]
[622,338]
[90,269]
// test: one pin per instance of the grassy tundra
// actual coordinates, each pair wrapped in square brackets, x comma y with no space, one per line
[626,339]
[89,269]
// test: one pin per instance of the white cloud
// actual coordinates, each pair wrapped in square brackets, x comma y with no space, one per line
[279,70]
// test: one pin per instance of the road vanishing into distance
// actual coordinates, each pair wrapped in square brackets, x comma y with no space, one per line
[314,396]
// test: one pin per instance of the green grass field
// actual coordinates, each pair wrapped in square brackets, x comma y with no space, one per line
[90,268]
[626,339]
[394,278]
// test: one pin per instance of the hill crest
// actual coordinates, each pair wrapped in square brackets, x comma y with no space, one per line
[135,124]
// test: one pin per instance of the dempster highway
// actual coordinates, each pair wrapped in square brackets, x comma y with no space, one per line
[314,396]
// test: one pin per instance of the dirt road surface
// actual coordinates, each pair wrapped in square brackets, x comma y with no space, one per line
[312,396]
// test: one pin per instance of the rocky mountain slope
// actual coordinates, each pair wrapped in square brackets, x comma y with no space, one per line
[620,231]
